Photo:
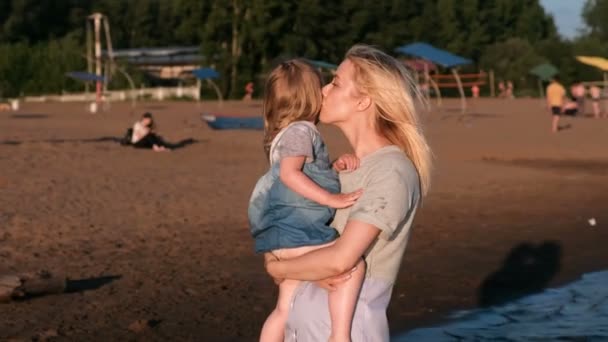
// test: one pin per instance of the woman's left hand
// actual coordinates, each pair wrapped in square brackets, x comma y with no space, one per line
[270,263]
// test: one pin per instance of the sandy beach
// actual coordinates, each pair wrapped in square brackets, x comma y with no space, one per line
[163,237]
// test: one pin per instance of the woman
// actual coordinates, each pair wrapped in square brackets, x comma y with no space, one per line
[370,101]
[144,137]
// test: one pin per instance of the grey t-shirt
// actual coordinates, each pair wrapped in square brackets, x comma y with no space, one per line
[295,140]
[391,192]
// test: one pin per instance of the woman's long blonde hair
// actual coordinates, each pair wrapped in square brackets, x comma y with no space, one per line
[386,81]
[292,93]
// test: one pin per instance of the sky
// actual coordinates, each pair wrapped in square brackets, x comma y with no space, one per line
[566,14]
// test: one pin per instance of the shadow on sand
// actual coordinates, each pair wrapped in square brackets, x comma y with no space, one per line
[180,144]
[29,116]
[82,285]
[527,269]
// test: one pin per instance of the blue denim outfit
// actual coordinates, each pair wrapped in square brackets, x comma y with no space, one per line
[279,217]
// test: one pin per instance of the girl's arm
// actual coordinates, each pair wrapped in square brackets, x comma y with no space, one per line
[329,261]
[292,176]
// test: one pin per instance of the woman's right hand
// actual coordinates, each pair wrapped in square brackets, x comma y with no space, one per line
[339,201]
[332,283]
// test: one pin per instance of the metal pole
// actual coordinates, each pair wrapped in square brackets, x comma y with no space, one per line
[97,26]
[89,54]
[463,101]
[110,69]
[492,92]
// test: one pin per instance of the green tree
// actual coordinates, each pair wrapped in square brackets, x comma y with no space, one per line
[595,13]
[511,61]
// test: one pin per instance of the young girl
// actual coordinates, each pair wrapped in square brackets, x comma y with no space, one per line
[293,203]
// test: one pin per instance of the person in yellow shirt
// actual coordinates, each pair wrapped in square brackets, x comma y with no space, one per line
[555,101]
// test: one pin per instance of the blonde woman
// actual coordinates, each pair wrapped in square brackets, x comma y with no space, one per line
[293,203]
[370,100]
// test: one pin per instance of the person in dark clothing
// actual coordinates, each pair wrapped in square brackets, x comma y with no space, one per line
[143,136]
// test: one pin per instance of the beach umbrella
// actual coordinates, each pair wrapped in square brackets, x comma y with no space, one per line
[209,74]
[205,73]
[596,62]
[544,72]
[85,76]
[439,57]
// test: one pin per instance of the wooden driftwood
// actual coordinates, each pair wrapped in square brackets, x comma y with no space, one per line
[30,285]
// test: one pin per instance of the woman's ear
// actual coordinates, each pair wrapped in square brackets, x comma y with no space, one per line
[364,102]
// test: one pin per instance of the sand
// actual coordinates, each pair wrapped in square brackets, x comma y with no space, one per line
[163,237]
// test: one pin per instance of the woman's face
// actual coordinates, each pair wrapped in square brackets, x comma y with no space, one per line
[146,122]
[340,96]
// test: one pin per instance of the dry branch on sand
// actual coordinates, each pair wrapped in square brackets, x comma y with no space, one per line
[30,285]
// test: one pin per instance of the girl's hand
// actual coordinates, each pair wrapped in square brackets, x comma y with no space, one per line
[347,163]
[339,201]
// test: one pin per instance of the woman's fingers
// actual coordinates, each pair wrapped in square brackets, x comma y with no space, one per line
[331,284]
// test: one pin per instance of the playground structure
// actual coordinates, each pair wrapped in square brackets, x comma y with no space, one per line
[171,63]
[97,20]
[429,57]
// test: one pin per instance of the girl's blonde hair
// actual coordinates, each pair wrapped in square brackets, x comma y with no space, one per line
[386,81]
[292,93]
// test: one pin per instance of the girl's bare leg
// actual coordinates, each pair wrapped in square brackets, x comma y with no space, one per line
[274,327]
[342,301]
[342,304]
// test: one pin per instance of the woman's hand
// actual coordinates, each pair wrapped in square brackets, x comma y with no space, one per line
[332,283]
[347,163]
[270,263]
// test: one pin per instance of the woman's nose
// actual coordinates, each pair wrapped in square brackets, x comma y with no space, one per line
[325,89]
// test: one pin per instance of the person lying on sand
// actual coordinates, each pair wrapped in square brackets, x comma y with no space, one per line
[143,135]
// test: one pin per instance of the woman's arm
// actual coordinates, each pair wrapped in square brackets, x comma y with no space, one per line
[330,261]
[292,176]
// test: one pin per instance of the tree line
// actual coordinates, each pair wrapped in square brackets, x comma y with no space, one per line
[41,40]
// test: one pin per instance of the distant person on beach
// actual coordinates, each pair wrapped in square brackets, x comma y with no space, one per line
[570,108]
[510,89]
[248,91]
[371,100]
[294,202]
[555,101]
[578,95]
[502,90]
[596,95]
[143,135]
[475,91]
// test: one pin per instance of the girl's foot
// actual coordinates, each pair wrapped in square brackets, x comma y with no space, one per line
[157,148]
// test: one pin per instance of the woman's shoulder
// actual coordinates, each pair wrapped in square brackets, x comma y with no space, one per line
[390,157]
[391,164]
